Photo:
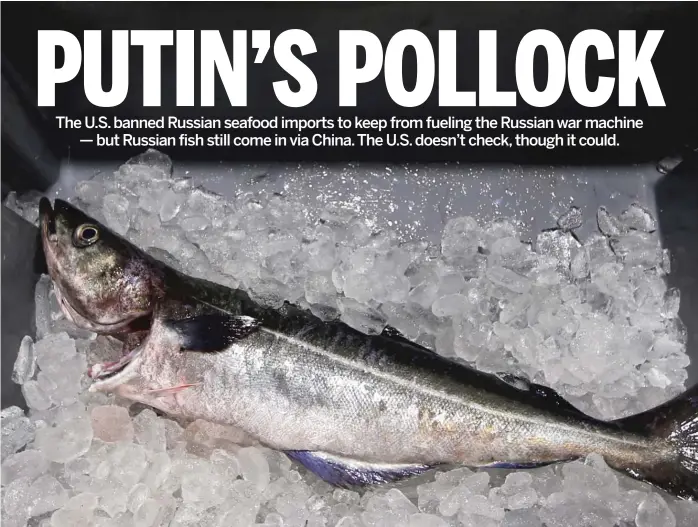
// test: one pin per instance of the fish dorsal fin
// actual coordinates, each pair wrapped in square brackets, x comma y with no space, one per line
[392,333]
[395,334]
[212,332]
[346,472]
[551,395]
[517,382]
[539,391]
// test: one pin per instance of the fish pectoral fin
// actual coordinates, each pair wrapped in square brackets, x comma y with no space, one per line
[213,332]
[172,389]
[347,472]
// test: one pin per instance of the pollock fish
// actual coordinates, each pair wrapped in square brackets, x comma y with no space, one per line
[355,409]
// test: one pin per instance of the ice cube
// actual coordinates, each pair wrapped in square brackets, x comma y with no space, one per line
[112,423]
[254,467]
[408,319]
[608,223]
[451,283]
[46,494]
[579,266]
[27,464]
[16,500]
[360,316]
[508,279]
[90,192]
[349,497]
[62,369]
[273,520]
[157,472]
[17,430]
[173,433]
[653,512]
[461,239]
[42,306]
[445,340]
[128,463]
[638,218]
[226,463]
[685,512]
[147,514]
[426,520]
[202,201]
[349,521]
[322,254]
[399,504]
[241,514]
[476,483]
[35,396]
[72,518]
[195,223]
[150,431]
[115,211]
[148,201]
[480,506]
[521,518]
[114,500]
[425,293]
[86,502]
[154,159]
[66,441]
[52,350]
[25,365]
[580,508]
[203,487]
[319,289]
[517,491]
[170,205]
[450,305]
[26,205]
[77,512]
[638,248]
[592,473]
[572,219]
[450,503]
[558,244]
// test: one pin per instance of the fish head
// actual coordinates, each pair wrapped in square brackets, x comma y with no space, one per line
[103,282]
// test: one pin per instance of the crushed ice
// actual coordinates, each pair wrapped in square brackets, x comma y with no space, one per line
[593,320]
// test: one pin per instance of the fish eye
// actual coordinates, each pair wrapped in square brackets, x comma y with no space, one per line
[85,235]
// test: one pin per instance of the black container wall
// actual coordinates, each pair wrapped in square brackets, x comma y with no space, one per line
[21,266]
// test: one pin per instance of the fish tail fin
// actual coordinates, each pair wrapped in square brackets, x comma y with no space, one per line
[675,421]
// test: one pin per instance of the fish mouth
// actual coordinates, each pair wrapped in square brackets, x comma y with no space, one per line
[107,375]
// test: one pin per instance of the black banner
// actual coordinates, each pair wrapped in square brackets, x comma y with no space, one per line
[407,112]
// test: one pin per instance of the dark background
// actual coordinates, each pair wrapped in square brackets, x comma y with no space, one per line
[665,129]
